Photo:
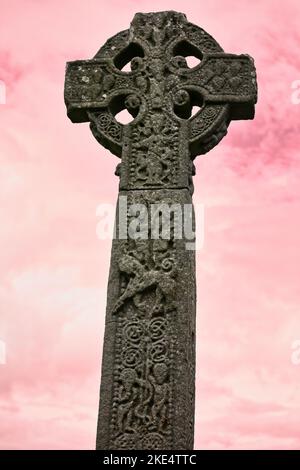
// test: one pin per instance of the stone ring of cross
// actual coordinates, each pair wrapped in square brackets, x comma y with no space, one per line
[221,87]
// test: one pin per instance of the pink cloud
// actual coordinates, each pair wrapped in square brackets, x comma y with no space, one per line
[54,270]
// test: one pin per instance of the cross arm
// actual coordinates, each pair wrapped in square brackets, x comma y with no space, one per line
[83,88]
[225,78]
[92,84]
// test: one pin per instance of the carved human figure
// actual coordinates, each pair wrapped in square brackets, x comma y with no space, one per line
[127,396]
[160,395]
[130,394]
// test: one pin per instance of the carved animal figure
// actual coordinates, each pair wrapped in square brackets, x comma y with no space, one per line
[140,279]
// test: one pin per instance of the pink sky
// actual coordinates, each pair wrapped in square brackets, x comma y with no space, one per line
[54,269]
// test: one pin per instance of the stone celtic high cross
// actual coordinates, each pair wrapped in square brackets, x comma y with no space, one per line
[148,368]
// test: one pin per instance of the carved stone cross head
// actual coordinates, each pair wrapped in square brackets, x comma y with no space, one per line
[160,92]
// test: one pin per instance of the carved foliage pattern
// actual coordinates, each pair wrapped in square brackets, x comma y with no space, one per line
[154,152]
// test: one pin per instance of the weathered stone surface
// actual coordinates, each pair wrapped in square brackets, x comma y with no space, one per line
[148,370]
